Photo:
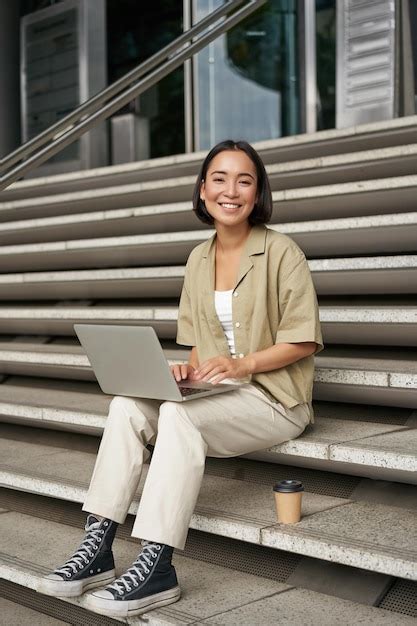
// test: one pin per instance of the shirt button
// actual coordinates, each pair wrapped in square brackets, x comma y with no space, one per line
[235,295]
[237,324]
[241,356]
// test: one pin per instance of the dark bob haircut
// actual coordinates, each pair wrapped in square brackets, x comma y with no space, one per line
[262,210]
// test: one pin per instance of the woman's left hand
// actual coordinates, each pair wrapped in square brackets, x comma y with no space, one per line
[220,367]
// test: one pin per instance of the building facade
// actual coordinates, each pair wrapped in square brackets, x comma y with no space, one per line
[291,67]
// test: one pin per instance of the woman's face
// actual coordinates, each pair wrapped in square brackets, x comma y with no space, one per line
[230,188]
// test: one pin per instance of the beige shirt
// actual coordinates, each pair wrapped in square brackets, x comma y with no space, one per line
[274,301]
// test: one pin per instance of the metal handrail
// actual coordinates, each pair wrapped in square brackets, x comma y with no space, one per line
[91,104]
[68,130]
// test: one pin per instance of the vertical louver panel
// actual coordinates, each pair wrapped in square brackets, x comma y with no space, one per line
[365,61]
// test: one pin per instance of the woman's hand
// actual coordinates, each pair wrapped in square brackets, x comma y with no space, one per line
[220,367]
[182,372]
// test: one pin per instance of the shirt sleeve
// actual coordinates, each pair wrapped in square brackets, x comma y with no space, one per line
[185,327]
[298,307]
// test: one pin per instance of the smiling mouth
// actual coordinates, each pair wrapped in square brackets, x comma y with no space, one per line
[229,205]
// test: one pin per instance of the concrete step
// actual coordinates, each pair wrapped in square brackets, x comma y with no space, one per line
[115,283]
[342,168]
[18,615]
[341,530]
[115,222]
[366,380]
[36,546]
[142,250]
[357,235]
[59,320]
[122,221]
[390,195]
[370,325]
[366,137]
[376,234]
[386,451]
[382,381]
[391,274]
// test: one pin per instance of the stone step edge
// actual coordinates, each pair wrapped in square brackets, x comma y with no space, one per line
[383,314]
[330,373]
[337,452]
[374,264]
[318,137]
[332,161]
[393,562]
[185,237]
[27,574]
[306,226]
[319,191]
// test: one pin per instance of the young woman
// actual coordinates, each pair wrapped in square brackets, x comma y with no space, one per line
[249,312]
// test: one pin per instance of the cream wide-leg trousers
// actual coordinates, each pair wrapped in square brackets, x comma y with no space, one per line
[184,433]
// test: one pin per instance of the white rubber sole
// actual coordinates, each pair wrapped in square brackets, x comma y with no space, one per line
[73,588]
[128,608]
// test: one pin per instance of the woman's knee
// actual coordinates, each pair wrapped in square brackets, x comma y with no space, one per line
[119,404]
[169,413]
[174,414]
[122,408]
[130,413]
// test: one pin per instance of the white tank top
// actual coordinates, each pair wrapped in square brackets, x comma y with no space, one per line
[223,305]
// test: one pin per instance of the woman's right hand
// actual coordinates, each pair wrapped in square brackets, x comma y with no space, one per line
[183,371]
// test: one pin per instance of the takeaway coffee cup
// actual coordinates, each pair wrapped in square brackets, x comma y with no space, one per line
[288,501]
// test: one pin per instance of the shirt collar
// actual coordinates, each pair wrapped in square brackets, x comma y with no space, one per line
[255,243]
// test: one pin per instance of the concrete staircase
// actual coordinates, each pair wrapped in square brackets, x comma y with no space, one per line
[109,246]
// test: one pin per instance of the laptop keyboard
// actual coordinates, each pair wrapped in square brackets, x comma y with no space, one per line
[189,391]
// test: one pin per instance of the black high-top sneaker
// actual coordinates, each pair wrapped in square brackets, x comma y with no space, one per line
[150,582]
[92,565]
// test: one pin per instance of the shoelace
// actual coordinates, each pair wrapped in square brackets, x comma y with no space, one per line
[79,558]
[129,578]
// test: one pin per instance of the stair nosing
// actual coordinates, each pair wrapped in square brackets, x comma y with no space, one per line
[267,535]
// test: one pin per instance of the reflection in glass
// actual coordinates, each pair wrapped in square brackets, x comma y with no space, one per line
[247,81]
[135,31]
[51,47]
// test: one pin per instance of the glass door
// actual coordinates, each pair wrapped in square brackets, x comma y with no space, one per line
[247,82]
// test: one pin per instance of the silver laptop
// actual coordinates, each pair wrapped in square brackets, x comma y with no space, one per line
[129,361]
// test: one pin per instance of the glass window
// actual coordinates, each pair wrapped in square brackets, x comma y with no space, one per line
[326,63]
[413,31]
[136,30]
[247,80]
